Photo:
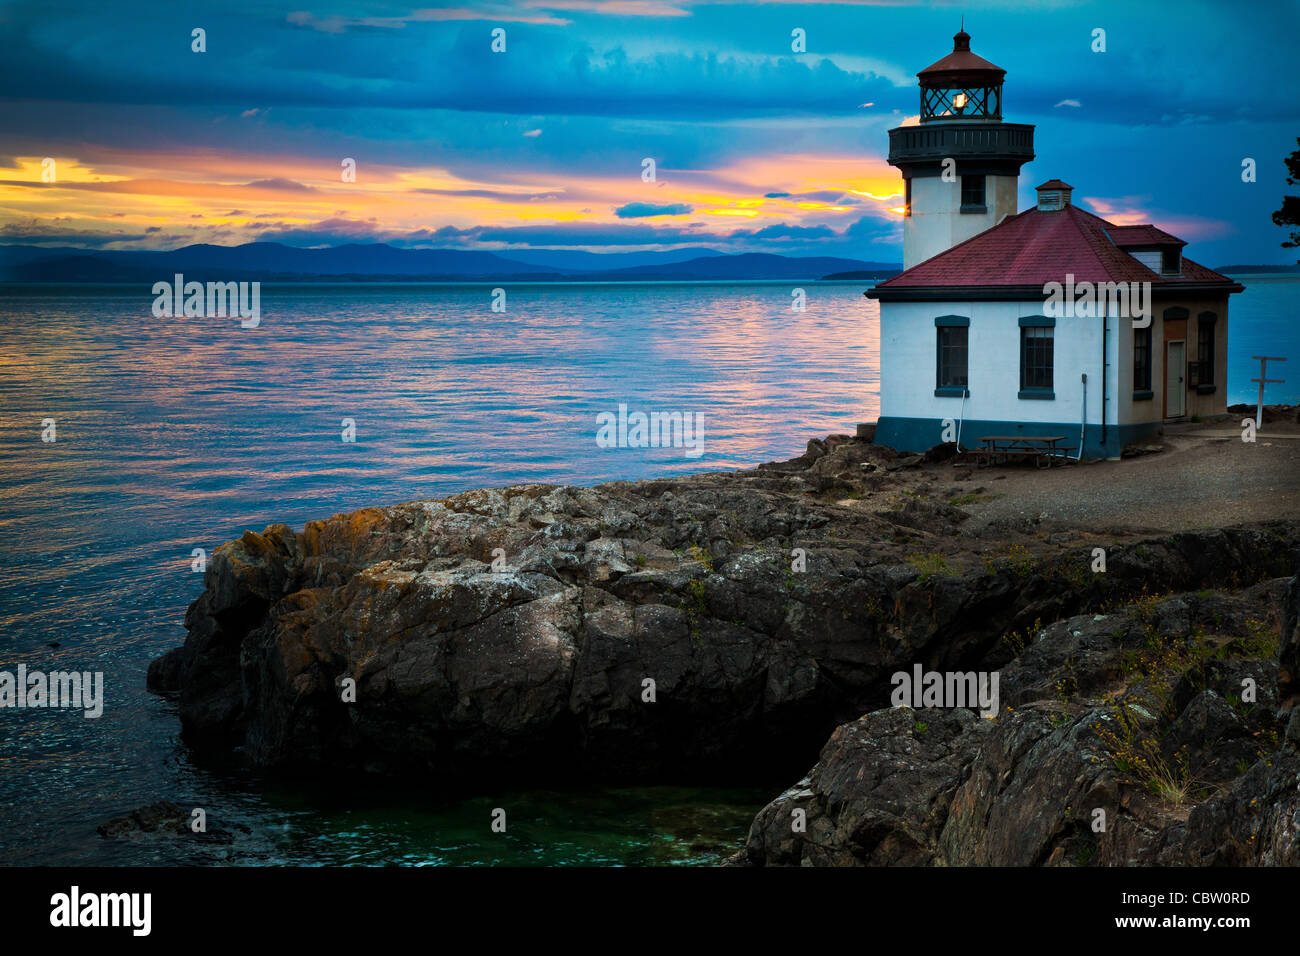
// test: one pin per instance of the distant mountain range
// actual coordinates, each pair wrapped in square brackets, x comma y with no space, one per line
[378,262]
[272,261]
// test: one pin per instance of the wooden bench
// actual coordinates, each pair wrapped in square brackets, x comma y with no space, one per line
[1041,448]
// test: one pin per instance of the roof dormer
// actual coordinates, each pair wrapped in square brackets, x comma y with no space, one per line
[1154,248]
[1053,195]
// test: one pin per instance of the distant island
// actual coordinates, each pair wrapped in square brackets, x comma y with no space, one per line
[1255,270]
[379,262]
[870,274]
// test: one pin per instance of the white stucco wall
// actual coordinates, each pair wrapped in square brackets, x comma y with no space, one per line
[936,222]
[907,379]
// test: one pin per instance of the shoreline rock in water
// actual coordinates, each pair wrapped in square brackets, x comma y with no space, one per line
[512,631]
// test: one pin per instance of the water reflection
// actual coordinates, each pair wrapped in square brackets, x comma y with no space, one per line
[179,433]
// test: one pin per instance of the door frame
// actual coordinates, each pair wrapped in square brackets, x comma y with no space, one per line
[1182,374]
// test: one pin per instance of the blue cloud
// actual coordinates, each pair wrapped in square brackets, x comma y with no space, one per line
[641,210]
[789,232]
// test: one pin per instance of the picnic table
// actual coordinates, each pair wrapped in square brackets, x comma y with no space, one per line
[1042,448]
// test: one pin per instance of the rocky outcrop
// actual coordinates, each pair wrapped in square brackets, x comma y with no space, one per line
[711,625]
[1148,736]
[163,820]
[879,795]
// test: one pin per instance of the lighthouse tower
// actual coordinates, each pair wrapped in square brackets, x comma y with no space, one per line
[961,165]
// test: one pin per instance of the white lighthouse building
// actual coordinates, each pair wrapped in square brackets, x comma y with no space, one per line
[1047,322]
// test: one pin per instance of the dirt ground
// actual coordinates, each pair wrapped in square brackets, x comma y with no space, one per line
[1205,476]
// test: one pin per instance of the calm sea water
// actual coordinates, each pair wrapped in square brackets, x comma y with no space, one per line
[180,433]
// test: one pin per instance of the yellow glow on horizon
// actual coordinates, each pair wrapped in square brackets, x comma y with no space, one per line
[66,170]
[209,197]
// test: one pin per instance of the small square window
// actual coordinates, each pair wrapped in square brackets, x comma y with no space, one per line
[1170,263]
[972,193]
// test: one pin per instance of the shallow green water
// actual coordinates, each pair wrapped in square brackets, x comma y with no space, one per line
[640,826]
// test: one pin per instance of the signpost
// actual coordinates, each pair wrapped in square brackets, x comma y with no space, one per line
[1264,379]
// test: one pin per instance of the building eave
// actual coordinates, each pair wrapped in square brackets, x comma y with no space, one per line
[990,293]
[1169,289]
[1027,293]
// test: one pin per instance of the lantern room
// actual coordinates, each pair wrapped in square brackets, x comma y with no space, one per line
[961,86]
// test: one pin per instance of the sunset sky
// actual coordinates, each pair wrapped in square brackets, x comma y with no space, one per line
[757,148]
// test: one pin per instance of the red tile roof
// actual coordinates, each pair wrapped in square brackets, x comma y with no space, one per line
[1036,247]
[1144,235]
[961,59]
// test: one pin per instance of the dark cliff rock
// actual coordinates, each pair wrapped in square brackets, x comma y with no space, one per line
[510,629]
[879,795]
[1289,651]
[1146,736]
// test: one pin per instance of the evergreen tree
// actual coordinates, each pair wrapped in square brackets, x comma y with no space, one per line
[1289,214]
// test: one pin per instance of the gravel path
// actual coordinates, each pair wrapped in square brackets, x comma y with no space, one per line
[1203,479]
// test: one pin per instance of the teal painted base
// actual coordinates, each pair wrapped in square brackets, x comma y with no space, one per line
[922,434]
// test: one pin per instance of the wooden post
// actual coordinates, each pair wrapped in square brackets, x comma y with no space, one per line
[1263,379]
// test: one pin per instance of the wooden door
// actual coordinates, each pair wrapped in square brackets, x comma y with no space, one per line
[1175,379]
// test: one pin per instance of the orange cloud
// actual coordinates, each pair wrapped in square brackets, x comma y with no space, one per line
[230,198]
